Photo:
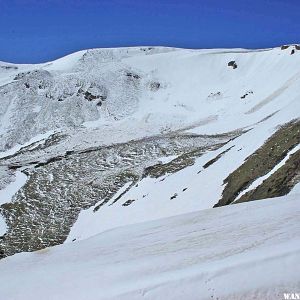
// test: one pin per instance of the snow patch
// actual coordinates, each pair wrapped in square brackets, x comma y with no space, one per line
[10,190]
[167,159]
[3,226]
[37,140]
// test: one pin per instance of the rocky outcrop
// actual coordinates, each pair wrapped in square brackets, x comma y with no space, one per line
[260,163]
[232,64]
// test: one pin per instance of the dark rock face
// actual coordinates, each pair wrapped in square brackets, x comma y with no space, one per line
[279,183]
[263,161]
[174,196]
[294,48]
[284,47]
[247,94]
[35,74]
[232,64]
[215,159]
[132,75]
[128,202]
[90,97]
[154,86]
[214,94]
[8,68]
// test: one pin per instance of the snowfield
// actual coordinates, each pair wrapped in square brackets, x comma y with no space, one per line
[138,88]
[243,251]
[121,154]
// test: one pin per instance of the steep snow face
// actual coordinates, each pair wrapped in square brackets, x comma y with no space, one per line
[244,251]
[196,187]
[120,136]
[164,88]
[84,86]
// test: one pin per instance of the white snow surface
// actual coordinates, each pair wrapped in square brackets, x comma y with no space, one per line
[3,226]
[10,190]
[37,140]
[198,93]
[296,189]
[158,248]
[7,194]
[203,92]
[196,188]
[243,251]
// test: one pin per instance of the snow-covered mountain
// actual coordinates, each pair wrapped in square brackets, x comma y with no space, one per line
[105,138]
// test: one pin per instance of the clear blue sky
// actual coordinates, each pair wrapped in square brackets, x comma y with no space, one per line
[38,30]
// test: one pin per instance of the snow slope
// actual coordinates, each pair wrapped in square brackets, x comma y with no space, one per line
[243,251]
[82,128]
[195,187]
[196,87]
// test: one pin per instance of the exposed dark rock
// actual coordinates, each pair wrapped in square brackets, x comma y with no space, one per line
[283,47]
[212,161]
[279,183]
[232,64]
[261,161]
[9,67]
[128,202]
[154,86]
[19,76]
[35,74]
[2,254]
[212,95]
[90,97]
[245,95]
[146,49]
[293,52]
[174,196]
[132,75]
